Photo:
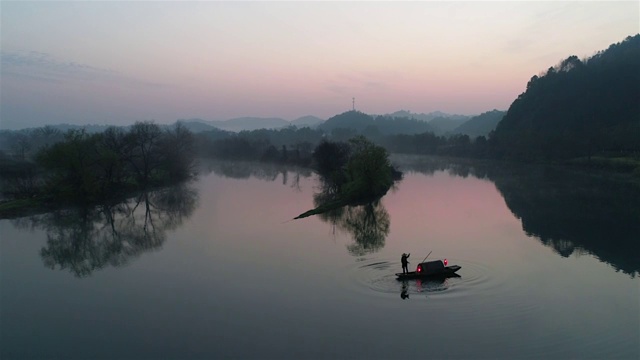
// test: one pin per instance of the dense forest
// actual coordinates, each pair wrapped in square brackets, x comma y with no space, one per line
[480,125]
[578,108]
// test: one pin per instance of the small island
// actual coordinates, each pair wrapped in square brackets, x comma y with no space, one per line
[352,173]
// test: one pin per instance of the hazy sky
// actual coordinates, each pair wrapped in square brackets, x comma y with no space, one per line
[118,62]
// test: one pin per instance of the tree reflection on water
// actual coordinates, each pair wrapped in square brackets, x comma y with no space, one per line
[368,223]
[259,170]
[572,212]
[576,214]
[83,240]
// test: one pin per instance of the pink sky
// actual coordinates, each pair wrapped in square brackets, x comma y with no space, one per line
[119,62]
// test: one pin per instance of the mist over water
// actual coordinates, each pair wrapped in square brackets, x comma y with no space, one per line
[217,269]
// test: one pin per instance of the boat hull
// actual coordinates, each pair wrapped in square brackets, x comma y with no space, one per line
[446,271]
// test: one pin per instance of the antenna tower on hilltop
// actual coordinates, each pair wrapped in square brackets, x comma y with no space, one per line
[353,104]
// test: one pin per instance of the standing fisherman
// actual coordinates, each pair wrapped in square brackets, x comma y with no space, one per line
[405,262]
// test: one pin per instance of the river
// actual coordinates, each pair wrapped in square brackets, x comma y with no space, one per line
[218,269]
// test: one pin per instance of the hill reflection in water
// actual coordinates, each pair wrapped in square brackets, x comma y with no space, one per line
[569,211]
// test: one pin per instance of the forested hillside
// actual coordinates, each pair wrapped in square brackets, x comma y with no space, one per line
[480,125]
[578,108]
[362,124]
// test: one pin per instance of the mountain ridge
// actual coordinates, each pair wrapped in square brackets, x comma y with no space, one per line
[577,108]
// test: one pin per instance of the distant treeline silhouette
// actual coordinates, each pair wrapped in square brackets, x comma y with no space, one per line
[87,168]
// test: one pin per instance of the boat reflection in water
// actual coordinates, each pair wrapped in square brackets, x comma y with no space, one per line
[426,285]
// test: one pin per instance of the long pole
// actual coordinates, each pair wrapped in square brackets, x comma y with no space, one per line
[425,258]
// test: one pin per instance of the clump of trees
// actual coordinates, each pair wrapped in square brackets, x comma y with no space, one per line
[355,172]
[369,173]
[86,167]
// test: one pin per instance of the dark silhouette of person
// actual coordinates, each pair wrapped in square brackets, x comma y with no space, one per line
[405,263]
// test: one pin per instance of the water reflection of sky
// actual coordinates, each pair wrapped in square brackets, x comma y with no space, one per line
[447,206]
[238,279]
[453,217]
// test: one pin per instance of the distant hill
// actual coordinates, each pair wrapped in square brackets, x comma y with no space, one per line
[307,121]
[348,120]
[480,125]
[372,126]
[250,123]
[443,125]
[90,128]
[427,117]
[196,125]
[199,125]
[577,108]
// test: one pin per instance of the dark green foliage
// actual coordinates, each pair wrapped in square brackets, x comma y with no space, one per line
[349,120]
[352,123]
[18,178]
[343,133]
[24,144]
[576,109]
[352,174]
[295,145]
[71,166]
[270,154]
[178,149]
[387,125]
[443,125]
[480,125]
[87,168]
[430,144]
[143,145]
[369,172]
[330,159]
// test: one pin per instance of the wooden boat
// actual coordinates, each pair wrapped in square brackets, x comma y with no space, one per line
[430,269]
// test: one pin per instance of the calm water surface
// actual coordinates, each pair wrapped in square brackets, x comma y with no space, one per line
[217,269]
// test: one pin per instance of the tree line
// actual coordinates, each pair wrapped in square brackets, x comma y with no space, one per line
[85,168]
[296,146]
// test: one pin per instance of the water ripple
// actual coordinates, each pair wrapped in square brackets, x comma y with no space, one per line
[481,294]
